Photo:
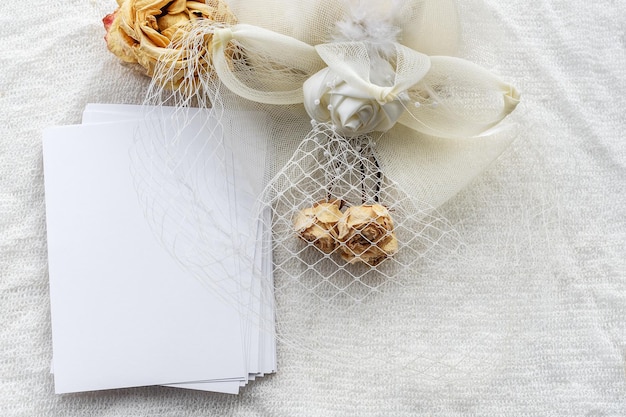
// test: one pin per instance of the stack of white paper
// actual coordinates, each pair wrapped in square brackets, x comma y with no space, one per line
[125,311]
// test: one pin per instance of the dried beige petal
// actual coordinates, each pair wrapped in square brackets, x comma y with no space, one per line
[177,6]
[318,224]
[168,21]
[367,234]
[117,40]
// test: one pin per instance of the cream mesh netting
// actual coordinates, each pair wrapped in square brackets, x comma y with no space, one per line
[345,233]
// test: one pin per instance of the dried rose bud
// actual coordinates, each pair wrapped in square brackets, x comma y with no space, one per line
[318,224]
[367,235]
[140,31]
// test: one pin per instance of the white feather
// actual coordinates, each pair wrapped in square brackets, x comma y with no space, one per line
[373,21]
[376,23]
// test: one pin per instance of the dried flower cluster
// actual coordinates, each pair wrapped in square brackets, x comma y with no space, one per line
[143,31]
[362,233]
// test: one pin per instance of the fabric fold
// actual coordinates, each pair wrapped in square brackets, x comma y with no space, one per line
[458,98]
[266,66]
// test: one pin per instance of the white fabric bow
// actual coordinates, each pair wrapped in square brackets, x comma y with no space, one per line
[439,82]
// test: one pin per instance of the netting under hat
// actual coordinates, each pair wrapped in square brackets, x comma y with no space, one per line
[340,228]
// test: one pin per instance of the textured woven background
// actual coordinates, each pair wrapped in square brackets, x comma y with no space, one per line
[549,213]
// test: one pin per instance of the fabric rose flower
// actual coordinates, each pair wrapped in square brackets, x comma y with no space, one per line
[318,224]
[328,99]
[140,31]
[367,234]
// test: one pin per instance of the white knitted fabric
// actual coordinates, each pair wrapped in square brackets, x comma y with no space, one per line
[542,305]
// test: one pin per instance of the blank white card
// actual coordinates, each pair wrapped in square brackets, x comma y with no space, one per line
[124,312]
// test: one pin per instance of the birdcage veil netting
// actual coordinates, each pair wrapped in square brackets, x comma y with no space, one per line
[346,248]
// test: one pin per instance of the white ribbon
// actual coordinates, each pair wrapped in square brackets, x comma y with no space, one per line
[297,56]
[360,89]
